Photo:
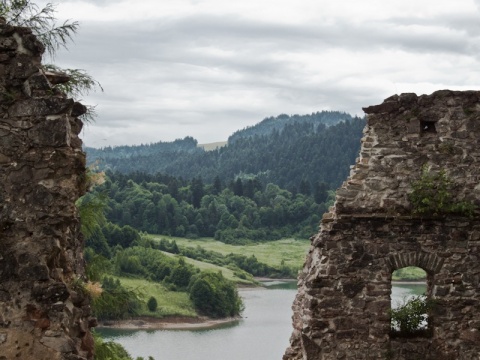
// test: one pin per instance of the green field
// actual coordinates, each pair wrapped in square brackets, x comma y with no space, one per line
[292,252]
[170,303]
[227,273]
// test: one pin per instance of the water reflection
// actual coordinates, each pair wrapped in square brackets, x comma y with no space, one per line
[401,292]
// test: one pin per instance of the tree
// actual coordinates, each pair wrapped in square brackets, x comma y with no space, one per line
[181,274]
[304,187]
[152,304]
[238,187]
[217,186]
[320,192]
[197,192]
[215,296]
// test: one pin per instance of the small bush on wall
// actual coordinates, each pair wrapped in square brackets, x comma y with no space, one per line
[432,195]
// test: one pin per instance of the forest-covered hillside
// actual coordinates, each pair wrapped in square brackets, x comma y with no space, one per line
[271,124]
[289,151]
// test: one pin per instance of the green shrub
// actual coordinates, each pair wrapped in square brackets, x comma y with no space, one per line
[408,318]
[152,304]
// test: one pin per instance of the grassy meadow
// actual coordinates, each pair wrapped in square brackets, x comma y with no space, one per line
[226,272]
[291,251]
[170,303]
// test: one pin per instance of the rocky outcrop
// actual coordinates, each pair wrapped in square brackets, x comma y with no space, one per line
[342,307]
[44,313]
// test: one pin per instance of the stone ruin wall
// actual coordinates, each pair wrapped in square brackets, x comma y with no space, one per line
[342,307]
[43,314]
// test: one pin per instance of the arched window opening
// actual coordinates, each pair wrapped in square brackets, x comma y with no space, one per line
[410,303]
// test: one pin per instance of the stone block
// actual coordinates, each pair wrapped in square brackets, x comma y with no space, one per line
[50,293]
[7,43]
[41,107]
[61,344]
[54,132]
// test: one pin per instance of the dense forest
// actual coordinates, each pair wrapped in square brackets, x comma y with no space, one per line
[286,151]
[242,210]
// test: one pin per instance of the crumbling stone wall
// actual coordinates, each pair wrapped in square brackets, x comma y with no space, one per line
[44,315]
[342,307]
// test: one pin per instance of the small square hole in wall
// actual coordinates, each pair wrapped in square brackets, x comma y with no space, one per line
[427,127]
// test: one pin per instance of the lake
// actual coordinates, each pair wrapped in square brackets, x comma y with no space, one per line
[263,333]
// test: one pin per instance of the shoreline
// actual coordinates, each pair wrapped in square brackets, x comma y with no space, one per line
[168,323]
[182,322]
[195,323]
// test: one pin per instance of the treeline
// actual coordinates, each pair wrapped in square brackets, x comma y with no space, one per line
[277,123]
[231,213]
[186,145]
[301,150]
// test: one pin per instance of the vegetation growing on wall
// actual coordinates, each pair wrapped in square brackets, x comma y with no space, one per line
[432,195]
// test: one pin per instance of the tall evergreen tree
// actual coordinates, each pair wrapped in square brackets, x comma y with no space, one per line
[197,192]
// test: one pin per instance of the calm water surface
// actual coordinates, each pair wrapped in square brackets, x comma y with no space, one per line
[262,334]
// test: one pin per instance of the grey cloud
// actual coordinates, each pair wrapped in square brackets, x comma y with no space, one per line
[235,71]
[167,39]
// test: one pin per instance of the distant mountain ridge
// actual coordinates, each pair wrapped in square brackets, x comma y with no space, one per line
[188,144]
[278,123]
[290,151]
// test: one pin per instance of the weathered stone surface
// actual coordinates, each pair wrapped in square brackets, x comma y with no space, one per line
[39,107]
[42,169]
[342,307]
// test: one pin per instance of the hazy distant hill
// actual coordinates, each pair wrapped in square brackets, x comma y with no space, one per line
[290,151]
[271,124]
[105,155]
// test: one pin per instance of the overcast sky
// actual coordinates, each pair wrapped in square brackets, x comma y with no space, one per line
[205,68]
